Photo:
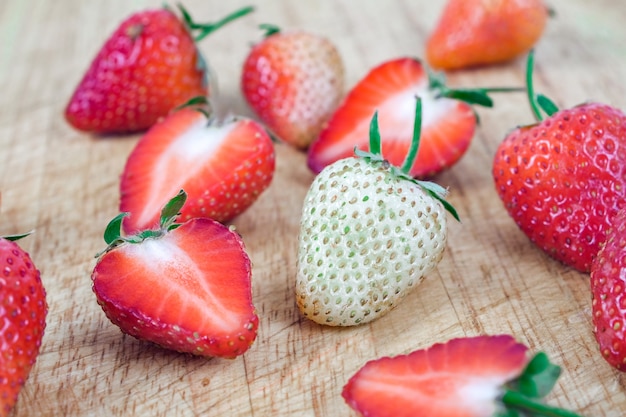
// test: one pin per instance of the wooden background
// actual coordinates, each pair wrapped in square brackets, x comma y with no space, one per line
[64,184]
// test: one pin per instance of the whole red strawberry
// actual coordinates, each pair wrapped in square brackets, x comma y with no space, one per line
[608,289]
[223,165]
[183,286]
[23,311]
[482,32]
[563,179]
[148,66]
[293,81]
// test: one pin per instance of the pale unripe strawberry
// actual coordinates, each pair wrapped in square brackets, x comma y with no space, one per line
[369,234]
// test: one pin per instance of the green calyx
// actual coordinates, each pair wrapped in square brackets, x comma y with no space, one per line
[522,396]
[113,232]
[269,29]
[205,29]
[477,96]
[200,104]
[13,238]
[538,102]
[375,156]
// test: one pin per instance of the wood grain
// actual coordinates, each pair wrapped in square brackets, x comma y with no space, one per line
[64,184]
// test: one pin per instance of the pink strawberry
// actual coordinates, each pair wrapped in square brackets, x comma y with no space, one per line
[293,81]
[563,179]
[223,167]
[447,127]
[608,288]
[481,376]
[185,287]
[23,311]
[148,66]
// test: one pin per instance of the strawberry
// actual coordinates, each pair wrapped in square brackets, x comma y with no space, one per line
[185,287]
[390,89]
[293,81]
[23,311]
[481,376]
[563,179]
[369,233]
[608,289]
[483,32]
[148,66]
[222,165]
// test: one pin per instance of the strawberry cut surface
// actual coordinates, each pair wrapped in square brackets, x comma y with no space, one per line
[460,378]
[447,125]
[188,290]
[223,167]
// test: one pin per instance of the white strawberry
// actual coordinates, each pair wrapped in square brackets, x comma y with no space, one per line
[369,234]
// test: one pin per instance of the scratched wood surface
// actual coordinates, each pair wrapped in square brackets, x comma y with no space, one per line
[64,184]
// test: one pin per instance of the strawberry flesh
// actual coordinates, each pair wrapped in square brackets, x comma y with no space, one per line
[222,167]
[188,290]
[447,125]
[460,378]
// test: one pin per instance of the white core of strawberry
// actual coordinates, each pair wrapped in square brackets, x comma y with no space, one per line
[186,155]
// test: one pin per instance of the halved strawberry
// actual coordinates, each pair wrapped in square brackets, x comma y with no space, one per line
[481,376]
[185,287]
[448,121]
[223,167]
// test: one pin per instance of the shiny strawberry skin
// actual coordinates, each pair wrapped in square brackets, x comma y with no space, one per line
[223,166]
[293,81]
[608,289]
[23,311]
[563,180]
[188,291]
[483,32]
[148,66]
[390,88]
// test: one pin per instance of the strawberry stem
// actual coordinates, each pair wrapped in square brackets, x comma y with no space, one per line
[518,401]
[208,28]
[537,102]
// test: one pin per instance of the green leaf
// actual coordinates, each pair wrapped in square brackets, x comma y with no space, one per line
[208,28]
[269,29]
[375,135]
[113,231]
[477,96]
[539,377]
[172,209]
[415,141]
[546,105]
[13,238]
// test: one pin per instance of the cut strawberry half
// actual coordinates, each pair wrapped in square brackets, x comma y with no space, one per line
[481,376]
[447,125]
[185,287]
[223,167]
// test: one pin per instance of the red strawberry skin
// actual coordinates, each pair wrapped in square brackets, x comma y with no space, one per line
[293,81]
[189,290]
[608,289]
[563,180]
[459,378]
[390,88]
[23,311]
[223,167]
[148,66]
[484,32]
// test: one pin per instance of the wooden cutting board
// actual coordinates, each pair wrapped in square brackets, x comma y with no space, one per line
[64,184]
